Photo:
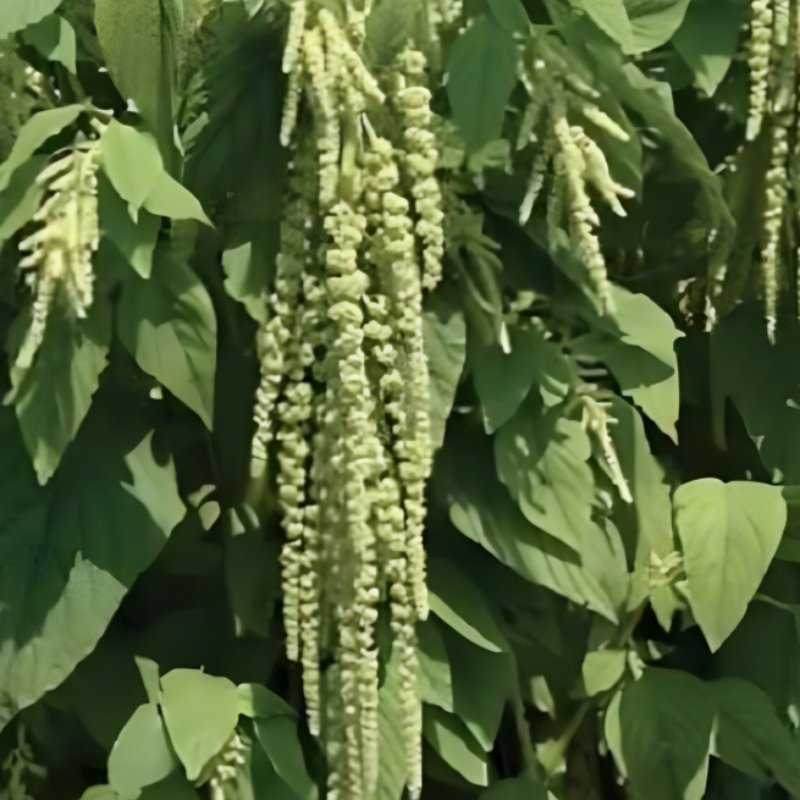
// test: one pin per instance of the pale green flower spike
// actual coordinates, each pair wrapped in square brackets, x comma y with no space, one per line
[760,49]
[58,267]
[223,781]
[596,420]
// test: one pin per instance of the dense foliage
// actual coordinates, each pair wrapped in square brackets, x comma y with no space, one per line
[402,399]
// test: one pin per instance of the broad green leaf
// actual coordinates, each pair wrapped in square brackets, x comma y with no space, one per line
[136,241]
[483,682]
[445,336]
[482,71]
[503,380]
[278,737]
[708,39]
[256,701]
[201,712]
[391,747]
[750,737]
[246,267]
[70,552]
[434,682]
[390,25]
[729,533]
[100,792]
[148,669]
[610,16]
[22,197]
[515,789]
[33,134]
[17,14]
[168,325]
[613,732]
[666,718]
[141,755]
[486,514]
[54,38]
[53,394]
[265,782]
[543,459]
[169,198]
[459,603]
[602,670]
[140,47]
[450,738]
[131,161]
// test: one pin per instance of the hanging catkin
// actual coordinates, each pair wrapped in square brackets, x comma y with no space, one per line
[344,396]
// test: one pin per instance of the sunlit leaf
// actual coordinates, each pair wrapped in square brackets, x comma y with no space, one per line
[450,738]
[17,14]
[54,38]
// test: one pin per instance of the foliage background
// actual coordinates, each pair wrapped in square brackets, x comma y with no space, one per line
[580,646]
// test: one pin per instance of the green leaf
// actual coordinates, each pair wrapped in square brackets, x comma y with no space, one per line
[256,700]
[136,241]
[653,23]
[515,789]
[168,324]
[22,197]
[246,267]
[544,462]
[708,39]
[278,737]
[141,755]
[140,46]
[666,718]
[201,712]
[169,198]
[391,746]
[54,38]
[33,134]
[18,14]
[70,552]
[450,738]
[503,380]
[482,72]
[610,16]
[434,682]
[445,336]
[729,533]
[52,396]
[602,670]
[456,601]
[750,737]
[389,27]
[131,161]
[510,15]
[173,787]
[149,672]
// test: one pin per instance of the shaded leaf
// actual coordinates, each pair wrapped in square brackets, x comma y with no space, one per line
[201,712]
[445,336]
[391,749]
[515,789]
[278,737]
[450,738]
[22,197]
[168,324]
[458,602]
[54,38]
[482,72]
[434,682]
[256,700]
[52,396]
[750,736]
[666,718]
[729,533]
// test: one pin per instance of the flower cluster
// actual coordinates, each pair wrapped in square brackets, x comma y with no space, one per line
[58,266]
[344,397]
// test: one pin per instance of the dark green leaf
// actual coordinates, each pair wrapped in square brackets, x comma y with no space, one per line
[729,533]
[434,683]
[173,787]
[52,396]
[751,737]
[391,749]
[482,72]
[201,712]
[515,789]
[21,199]
[666,718]
[141,755]
[390,25]
[278,737]
[456,601]
[168,325]
[511,15]
[70,552]
[445,337]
